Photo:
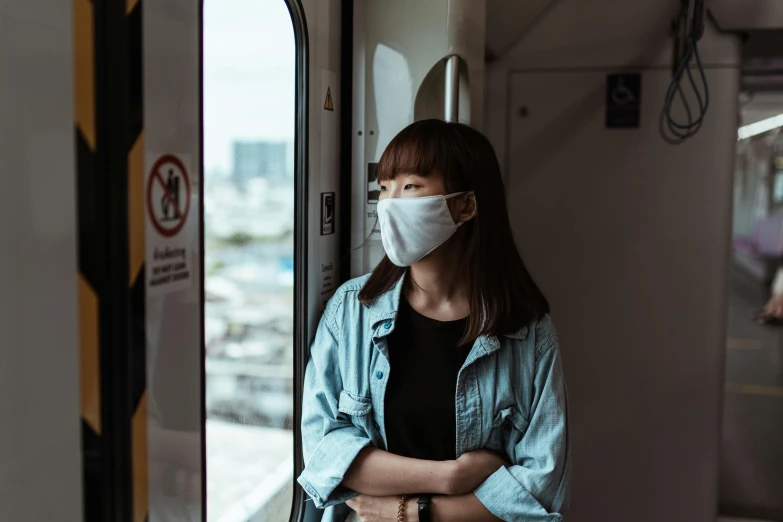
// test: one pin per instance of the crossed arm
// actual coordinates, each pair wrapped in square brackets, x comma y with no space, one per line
[381,477]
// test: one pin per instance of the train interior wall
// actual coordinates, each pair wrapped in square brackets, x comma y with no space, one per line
[629,238]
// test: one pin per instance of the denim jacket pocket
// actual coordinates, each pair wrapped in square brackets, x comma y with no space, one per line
[360,411]
[508,428]
[354,405]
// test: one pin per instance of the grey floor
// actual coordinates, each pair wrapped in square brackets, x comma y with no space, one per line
[730,519]
[751,482]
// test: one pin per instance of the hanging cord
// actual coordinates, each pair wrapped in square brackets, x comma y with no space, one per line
[686,49]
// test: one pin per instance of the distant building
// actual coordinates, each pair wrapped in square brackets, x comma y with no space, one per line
[261,159]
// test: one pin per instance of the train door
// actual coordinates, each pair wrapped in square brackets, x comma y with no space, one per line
[270,222]
[271,215]
[250,193]
[207,164]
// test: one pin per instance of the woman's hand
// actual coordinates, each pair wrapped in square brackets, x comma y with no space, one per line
[471,469]
[381,509]
[774,308]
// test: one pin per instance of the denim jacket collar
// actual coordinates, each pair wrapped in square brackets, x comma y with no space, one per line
[384,309]
[383,312]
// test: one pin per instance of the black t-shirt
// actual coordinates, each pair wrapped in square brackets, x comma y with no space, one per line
[420,411]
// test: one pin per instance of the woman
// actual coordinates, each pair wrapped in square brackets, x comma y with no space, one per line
[435,389]
[772,313]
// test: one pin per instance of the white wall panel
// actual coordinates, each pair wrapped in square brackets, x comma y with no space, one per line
[40,442]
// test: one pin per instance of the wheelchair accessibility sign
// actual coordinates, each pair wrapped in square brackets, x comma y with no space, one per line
[623,101]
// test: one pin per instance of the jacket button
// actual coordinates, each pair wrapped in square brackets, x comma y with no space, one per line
[379,375]
[387,325]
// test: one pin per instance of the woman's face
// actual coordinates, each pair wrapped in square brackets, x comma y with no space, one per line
[462,208]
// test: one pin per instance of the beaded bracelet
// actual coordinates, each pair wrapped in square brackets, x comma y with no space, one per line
[401,509]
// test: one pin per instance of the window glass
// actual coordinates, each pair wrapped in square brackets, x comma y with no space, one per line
[249,121]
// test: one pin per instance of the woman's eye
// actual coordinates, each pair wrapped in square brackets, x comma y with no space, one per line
[383,188]
[409,186]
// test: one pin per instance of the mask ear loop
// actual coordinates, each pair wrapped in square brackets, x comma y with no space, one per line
[456,194]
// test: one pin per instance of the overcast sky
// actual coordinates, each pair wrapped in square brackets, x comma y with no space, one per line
[248,75]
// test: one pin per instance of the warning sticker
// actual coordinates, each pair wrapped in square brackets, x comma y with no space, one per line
[169,248]
[328,105]
[327,213]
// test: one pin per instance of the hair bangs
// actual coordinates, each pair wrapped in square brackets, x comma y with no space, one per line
[419,150]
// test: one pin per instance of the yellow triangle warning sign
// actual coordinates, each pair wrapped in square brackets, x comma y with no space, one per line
[328,103]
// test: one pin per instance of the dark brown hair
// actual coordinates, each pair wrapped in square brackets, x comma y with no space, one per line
[503,296]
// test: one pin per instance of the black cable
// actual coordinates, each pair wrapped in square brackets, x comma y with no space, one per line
[688,129]
[692,127]
[664,123]
[686,48]
[697,21]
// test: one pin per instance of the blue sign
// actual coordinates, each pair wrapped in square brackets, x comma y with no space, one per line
[623,101]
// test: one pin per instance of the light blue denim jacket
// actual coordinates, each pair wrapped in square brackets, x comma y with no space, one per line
[510,398]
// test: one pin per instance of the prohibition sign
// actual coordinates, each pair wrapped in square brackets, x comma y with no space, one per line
[170,202]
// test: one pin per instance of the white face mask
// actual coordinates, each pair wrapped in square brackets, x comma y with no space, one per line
[411,228]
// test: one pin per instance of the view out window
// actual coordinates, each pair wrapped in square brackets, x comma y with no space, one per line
[249,121]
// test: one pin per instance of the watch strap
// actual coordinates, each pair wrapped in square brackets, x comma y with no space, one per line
[424,508]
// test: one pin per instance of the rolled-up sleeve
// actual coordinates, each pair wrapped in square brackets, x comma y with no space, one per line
[537,487]
[330,441]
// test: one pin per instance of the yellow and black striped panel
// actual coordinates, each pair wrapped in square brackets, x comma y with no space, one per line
[136,255]
[89,330]
[84,105]
[110,170]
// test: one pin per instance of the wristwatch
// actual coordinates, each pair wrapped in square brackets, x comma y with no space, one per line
[424,508]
